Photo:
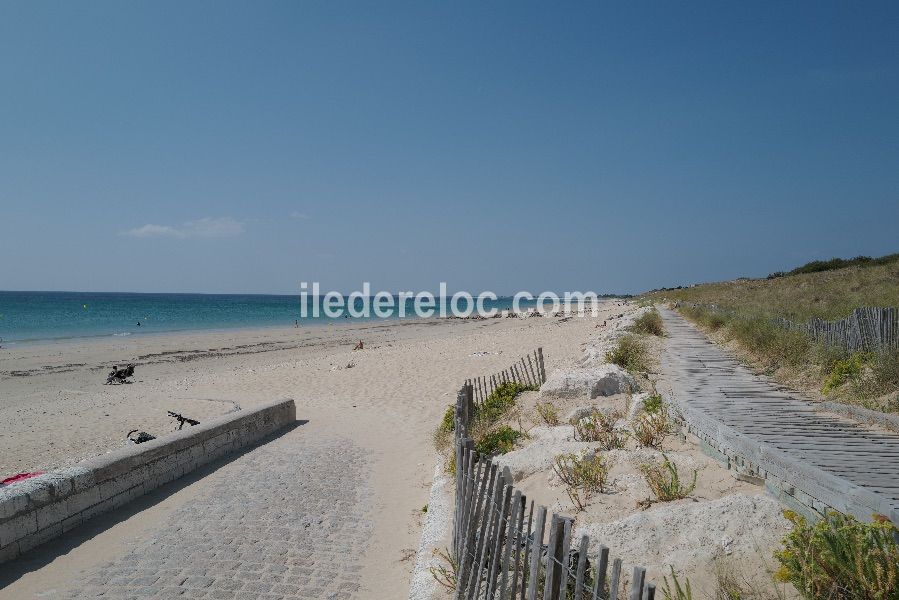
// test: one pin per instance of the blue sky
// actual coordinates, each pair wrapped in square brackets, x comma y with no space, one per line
[244,147]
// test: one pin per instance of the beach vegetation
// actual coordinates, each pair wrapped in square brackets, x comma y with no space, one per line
[673,589]
[665,482]
[654,404]
[500,401]
[744,314]
[649,323]
[497,440]
[584,475]
[548,413]
[630,354]
[447,572]
[841,558]
[600,427]
[843,370]
[651,428]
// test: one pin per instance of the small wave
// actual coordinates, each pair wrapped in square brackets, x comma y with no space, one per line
[123,334]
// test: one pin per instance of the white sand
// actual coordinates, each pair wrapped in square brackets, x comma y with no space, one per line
[55,414]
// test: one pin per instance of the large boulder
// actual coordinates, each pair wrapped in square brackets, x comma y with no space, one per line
[591,382]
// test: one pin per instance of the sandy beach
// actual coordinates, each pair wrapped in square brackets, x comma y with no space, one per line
[385,399]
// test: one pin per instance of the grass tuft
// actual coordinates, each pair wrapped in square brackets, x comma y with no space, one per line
[665,482]
[630,354]
[584,476]
[548,413]
[649,323]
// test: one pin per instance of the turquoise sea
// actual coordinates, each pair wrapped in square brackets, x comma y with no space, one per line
[41,316]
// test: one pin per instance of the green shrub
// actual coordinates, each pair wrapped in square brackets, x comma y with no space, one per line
[500,440]
[630,354]
[653,404]
[500,401]
[842,371]
[584,476]
[649,323]
[548,413]
[664,481]
[840,558]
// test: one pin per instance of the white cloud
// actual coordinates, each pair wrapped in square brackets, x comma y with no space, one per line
[299,216]
[207,227]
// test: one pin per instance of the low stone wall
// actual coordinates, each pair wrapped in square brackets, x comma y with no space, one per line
[42,508]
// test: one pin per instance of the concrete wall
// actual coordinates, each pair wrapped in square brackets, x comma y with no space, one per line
[42,508]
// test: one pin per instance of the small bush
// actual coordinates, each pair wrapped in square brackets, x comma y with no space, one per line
[649,323]
[664,481]
[600,427]
[651,429]
[843,370]
[498,441]
[654,404]
[630,354]
[548,413]
[840,558]
[500,401]
[584,476]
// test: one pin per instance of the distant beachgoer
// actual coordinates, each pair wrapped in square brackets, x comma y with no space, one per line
[138,323]
[296,323]
[359,346]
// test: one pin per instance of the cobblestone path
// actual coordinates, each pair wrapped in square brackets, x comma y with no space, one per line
[285,520]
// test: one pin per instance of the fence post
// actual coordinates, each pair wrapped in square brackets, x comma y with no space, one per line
[542,366]
[581,568]
[602,565]
[536,551]
[554,559]
[637,583]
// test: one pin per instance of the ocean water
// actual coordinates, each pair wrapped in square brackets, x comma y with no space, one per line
[42,316]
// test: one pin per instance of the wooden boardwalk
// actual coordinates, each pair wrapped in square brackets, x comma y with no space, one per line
[805,456]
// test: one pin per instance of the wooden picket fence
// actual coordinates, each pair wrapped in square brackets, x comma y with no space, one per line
[526,372]
[866,329]
[498,537]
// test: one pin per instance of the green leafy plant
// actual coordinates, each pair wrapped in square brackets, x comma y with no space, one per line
[843,370]
[498,440]
[548,413]
[673,590]
[840,558]
[630,353]
[584,475]
[500,401]
[665,482]
[653,404]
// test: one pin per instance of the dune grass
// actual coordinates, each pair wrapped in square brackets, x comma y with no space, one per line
[741,311]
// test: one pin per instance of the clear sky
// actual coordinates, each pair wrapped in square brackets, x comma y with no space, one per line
[243,147]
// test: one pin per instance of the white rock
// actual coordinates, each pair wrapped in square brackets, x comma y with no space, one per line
[538,456]
[588,382]
[691,535]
